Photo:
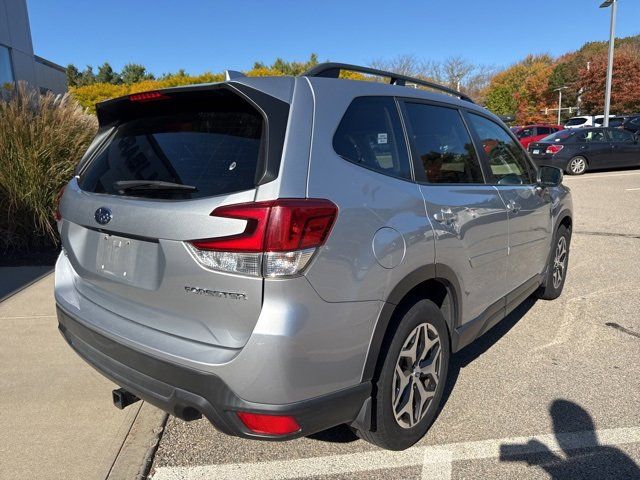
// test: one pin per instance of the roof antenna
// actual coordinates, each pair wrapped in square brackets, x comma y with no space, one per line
[232,75]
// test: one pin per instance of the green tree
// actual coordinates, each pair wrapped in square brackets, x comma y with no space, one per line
[133,73]
[288,68]
[73,75]
[106,74]
[87,77]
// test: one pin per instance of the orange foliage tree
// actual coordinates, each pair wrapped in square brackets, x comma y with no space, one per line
[625,87]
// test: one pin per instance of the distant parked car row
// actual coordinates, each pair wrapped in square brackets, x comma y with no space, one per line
[627,122]
[579,150]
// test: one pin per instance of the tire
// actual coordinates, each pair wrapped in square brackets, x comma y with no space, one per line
[558,265]
[577,165]
[423,318]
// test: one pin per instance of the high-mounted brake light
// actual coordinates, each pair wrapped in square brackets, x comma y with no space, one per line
[269,424]
[553,149]
[147,96]
[279,239]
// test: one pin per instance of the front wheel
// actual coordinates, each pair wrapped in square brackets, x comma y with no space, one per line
[577,166]
[412,379]
[557,268]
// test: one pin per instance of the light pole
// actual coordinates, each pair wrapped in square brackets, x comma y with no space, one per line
[559,90]
[612,33]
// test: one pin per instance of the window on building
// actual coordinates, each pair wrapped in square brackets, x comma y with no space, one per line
[6,72]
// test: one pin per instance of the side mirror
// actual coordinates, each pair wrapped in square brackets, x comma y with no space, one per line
[549,176]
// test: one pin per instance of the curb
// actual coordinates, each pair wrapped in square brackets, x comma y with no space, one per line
[139,446]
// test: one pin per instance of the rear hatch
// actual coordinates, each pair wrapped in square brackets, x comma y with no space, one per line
[147,191]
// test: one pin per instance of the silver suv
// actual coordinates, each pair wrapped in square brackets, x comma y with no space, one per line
[283,255]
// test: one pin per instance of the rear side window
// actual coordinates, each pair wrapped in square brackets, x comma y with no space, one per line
[621,136]
[508,162]
[443,145]
[370,135]
[215,150]
[544,130]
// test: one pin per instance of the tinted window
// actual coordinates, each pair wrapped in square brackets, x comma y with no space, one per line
[591,136]
[370,135]
[215,151]
[6,73]
[616,122]
[507,160]
[621,136]
[576,121]
[526,132]
[544,130]
[443,144]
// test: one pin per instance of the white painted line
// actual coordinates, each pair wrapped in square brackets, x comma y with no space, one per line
[596,176]
[632,189]
[436,461]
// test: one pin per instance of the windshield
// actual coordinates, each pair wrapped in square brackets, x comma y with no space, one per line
[557,137]
[216,152]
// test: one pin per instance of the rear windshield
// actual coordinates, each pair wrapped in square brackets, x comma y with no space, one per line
[557,137]
[576,121]
[216,151]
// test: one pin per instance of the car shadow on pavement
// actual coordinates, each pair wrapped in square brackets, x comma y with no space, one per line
[472,351]
[583,458]
[19,269]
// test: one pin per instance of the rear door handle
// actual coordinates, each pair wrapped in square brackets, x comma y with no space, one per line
[513,207]
[446,216]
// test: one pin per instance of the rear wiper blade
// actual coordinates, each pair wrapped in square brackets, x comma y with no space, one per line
[127,185]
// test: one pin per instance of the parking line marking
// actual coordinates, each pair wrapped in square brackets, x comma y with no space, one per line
[436,461]
[596,176]
[632,189]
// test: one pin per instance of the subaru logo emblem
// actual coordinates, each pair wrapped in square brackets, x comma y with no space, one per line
[103,215]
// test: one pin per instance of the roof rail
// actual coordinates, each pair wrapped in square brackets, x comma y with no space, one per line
[332,70]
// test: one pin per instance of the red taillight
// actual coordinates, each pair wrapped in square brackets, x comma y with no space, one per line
[276,226]
[252,239]
[269,424]
[147,96]
[553,149]
[57,215]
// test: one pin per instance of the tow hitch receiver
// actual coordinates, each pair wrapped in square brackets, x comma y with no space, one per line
[122,398]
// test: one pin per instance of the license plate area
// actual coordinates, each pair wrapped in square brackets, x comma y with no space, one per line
[116,257]
[536,152]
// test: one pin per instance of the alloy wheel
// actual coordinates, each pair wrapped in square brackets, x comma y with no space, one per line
[560,262]
[578,165]
[416,376]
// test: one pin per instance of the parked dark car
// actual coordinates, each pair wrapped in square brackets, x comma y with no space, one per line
[576,151]
[632,124]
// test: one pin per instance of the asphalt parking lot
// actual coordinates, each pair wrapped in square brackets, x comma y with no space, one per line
[551,392]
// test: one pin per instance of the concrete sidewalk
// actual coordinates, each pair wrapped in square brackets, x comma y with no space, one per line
[56,416]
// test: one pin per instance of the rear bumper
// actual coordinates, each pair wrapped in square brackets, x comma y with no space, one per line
[188,393]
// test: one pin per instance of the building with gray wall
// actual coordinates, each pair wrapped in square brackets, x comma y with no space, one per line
[17,60]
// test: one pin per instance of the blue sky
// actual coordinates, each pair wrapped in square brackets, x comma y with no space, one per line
[213,35]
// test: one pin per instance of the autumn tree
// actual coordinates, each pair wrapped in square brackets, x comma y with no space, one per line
[523,89]
[625,87]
